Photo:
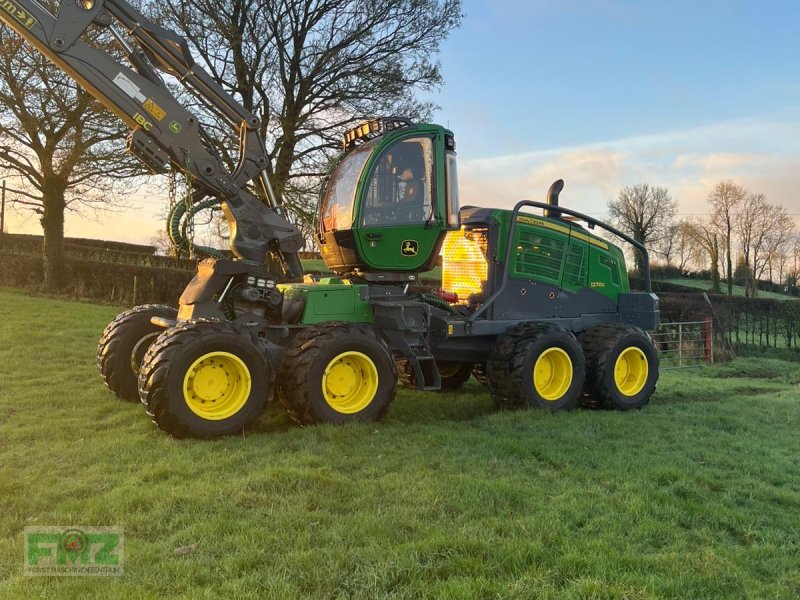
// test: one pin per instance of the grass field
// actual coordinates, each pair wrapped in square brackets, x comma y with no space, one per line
[696,496]
[738,290]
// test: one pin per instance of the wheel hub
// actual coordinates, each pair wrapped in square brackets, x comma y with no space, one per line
[350,382]
[630,371]
[552,374]
[217,385]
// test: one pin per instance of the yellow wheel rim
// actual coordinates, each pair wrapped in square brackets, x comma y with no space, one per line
[630,371]
[350,382]
[552,374]
[217,386]
[448,369]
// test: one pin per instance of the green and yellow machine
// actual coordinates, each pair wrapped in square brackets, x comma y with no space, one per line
[536,306]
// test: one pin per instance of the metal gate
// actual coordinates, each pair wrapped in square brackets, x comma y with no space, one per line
[684,344]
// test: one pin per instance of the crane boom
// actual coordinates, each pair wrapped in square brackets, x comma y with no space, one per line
[163,131]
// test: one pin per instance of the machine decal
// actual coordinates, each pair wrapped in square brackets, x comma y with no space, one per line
[175,127]
[562,229]
[154,109]
[18,13]
[130,88]
[144,123]
[409,248]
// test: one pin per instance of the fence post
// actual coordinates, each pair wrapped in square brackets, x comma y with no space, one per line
[680,345]
[708,340]
[135,285]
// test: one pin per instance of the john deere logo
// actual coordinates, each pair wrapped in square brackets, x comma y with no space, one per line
[410,248]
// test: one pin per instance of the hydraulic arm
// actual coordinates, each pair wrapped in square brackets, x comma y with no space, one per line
[163,131]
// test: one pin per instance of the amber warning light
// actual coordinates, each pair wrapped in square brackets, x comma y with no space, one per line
[464,267]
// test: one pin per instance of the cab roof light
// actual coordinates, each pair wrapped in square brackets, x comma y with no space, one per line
[368,130]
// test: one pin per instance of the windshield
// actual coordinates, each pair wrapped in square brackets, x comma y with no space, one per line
[337,207]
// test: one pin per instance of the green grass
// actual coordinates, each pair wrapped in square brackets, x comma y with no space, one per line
[704,285]
[696,496]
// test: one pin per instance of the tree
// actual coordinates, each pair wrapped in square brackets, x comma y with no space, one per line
[752,224]
[725,199]
[705,235]
[685,250]
[765,238]
[776,245]
[59,145]
[645,213]
[311,68]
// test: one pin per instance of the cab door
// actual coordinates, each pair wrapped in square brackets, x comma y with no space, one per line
[398,225]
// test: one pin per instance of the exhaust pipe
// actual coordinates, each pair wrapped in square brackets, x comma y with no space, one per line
[552,199]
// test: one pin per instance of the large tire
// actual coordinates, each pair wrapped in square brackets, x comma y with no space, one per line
[454,374]
[621,365]
[205,379]
[123,345]
[536,364]
[337,373]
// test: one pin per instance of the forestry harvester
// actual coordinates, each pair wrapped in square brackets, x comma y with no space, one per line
[536,306]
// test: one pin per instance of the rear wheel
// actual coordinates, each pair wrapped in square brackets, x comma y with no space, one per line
[123,345]
[205,379]
[536,364]
[337,373]
[621,365]
[454,374]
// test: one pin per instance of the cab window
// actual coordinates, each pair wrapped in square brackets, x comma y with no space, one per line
[452,191]
[337,207]
[400,187]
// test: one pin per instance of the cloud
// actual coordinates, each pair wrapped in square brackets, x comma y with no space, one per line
[763,155]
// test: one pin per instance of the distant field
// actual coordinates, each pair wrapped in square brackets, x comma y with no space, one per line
[696,496]
[738,290]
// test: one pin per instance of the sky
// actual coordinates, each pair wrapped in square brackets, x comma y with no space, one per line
[601,93]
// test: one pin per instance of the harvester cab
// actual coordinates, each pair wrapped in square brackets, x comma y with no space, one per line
[386,207]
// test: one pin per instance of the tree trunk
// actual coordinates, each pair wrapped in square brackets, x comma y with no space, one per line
[730,261]
[53,228]
[715,267]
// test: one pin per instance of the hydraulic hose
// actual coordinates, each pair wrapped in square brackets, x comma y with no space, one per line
[177,222]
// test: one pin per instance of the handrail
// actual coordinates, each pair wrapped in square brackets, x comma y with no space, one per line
[590,220]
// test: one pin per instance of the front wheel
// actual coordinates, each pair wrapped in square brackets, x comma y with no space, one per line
[337,373]
[123,345]
[205,379]
[621,365]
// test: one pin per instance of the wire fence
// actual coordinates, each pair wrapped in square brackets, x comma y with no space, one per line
[684,344]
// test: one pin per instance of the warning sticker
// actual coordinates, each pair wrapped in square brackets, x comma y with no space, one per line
[154,109]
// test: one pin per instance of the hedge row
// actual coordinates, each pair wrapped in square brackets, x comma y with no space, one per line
[106,282]
[738,320]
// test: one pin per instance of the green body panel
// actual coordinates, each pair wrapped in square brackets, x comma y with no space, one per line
[330,302]
[562,254]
